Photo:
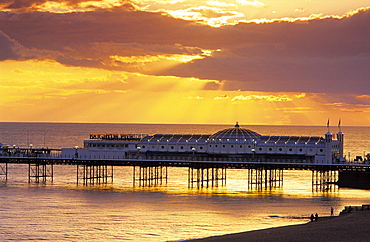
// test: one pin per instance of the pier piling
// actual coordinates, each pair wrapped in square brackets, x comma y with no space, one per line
[148,176]
[39,171]
[94,174]
[4,171]
[324,180]
[206,176]
[261,177]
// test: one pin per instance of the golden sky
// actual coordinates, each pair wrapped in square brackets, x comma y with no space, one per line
[185,61]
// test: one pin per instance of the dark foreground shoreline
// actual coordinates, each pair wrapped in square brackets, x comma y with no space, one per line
[348,227]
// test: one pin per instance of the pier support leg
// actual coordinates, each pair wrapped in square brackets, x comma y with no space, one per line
[206,176]
[39,171]
[4,171]
[259,178]
[94,174]
[324,180]
[150,176]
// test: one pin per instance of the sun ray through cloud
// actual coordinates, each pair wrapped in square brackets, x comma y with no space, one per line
[184,61]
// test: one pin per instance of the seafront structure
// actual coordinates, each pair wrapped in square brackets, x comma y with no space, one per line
[206,156]
[236,143]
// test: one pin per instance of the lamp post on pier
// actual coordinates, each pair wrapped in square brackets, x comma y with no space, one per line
[193,149]
[76,152]
[364,157]
[30,150]
[138,151]
[349,156]
[253,151]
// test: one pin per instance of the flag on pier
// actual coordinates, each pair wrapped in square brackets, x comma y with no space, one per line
[339,125]
[327,125]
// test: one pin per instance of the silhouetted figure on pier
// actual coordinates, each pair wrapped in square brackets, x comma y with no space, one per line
[312,218]
[316,217]
[332,211]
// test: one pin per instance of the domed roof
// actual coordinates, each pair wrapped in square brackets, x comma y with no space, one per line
[235,133]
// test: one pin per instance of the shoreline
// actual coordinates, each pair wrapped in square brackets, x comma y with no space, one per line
[346,227]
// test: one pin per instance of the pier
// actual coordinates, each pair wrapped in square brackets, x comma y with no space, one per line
[152,172]
[207,157]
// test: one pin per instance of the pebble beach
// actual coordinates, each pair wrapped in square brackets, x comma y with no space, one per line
[353,226]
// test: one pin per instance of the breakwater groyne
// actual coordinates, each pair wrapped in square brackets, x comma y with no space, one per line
[350,209]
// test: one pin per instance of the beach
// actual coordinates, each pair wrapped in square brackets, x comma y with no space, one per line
[353,226]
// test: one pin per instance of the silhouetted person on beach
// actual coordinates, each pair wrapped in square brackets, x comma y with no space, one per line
[312,217]
[332,211]
[316,217]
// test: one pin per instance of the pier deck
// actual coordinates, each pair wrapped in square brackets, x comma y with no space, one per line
[187,163]
[259,173]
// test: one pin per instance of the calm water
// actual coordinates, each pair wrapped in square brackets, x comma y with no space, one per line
[123,210]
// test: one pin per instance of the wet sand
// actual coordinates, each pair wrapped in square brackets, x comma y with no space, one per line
[353,226]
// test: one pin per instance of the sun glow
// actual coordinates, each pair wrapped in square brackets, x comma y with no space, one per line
[222,13]
[29,89]
[158,58]
[157,62]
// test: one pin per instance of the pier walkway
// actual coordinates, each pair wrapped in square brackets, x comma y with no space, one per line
[260,174]
[220,163]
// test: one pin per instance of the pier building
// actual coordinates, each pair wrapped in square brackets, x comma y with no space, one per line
[237,143]
[105,146]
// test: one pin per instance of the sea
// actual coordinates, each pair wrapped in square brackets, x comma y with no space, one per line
[171,210]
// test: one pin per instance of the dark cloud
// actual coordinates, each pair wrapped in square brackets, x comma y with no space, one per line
[284,74]
[328,55]
[50,31]
[35,4]
[22,3]
[9,49]
[73,61]
[342,99]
